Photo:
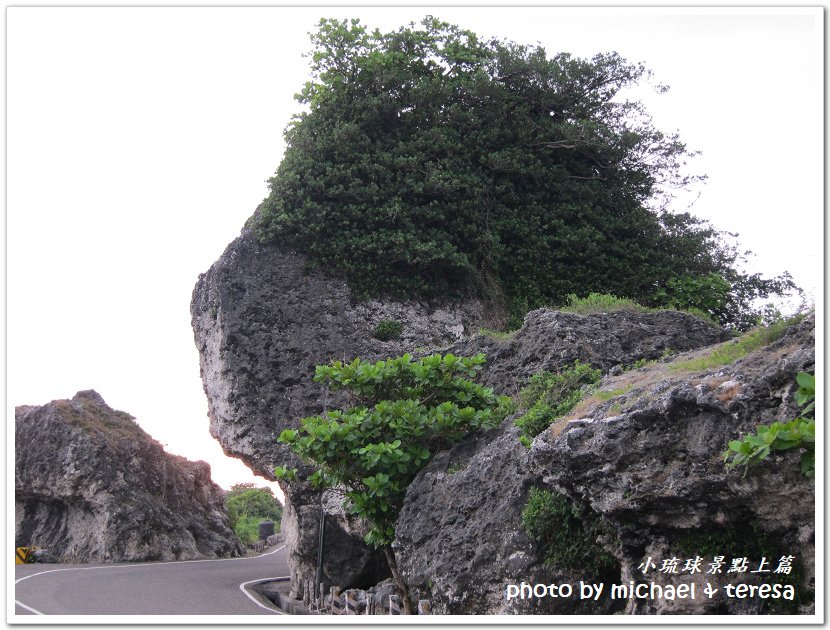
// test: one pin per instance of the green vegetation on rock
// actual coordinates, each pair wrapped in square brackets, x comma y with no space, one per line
[798,433]
[550,395]
[600,303]
[247,507]
[429,162]
[388,329]
[606,303]
[403,411]
[566,540]
[731,351]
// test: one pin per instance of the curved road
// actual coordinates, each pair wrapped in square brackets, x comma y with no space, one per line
[193,587]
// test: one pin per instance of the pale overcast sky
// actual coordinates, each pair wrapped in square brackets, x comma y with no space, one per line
[139,141]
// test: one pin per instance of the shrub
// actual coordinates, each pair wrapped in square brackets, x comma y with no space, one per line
[248,506]
[565,539]
[549,396]
[781,436]
[706,296]
[246,528]
[388,329]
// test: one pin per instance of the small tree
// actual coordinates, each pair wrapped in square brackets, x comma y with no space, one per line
[401,412]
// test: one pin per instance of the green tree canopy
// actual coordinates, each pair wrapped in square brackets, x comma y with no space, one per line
[430,162]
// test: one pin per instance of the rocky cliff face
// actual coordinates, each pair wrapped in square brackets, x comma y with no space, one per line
[262,321]
[643,458]
[92,486]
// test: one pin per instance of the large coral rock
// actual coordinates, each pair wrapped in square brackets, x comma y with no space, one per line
[262,320]
[458,539]
[92,486]
[458,536]
[649,462]
[644,459]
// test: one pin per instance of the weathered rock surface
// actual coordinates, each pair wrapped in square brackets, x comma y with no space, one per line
[92,486]
[645,459]
[550,340]
[459,541]
[262,321]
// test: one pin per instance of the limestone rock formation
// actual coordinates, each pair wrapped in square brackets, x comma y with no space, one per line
[645,460]
[92,486]
[262,321]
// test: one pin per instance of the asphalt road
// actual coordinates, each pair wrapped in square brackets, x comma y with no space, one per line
[196,587]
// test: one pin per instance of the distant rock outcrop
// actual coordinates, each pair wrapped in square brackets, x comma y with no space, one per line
[643,457]
[92,486]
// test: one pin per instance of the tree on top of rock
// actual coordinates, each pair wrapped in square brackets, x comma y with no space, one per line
[430,162]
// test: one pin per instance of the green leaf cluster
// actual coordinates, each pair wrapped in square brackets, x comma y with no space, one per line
[566,539]
[707,295]
[781,436]
[388,329]
[550,395]
[402,411]
[428,161]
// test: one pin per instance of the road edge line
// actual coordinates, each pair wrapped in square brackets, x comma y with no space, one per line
[29,608]
[148,564]
[255,600]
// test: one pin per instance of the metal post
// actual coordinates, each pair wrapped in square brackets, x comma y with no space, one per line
[319,574]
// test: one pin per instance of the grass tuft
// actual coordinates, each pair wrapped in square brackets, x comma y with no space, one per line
[495,334]
[731,351]
[601,303]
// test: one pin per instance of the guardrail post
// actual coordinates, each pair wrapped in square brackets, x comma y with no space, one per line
[394,605]
[351,603]
[306,593]
[336,601]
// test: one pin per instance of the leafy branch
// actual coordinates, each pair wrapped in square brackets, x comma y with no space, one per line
[778,436]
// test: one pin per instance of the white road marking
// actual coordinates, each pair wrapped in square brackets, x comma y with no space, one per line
[254,599]
[148,564]
[156,564]
[29,608]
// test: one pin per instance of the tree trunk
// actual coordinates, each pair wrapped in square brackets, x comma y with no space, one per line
[399,581]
